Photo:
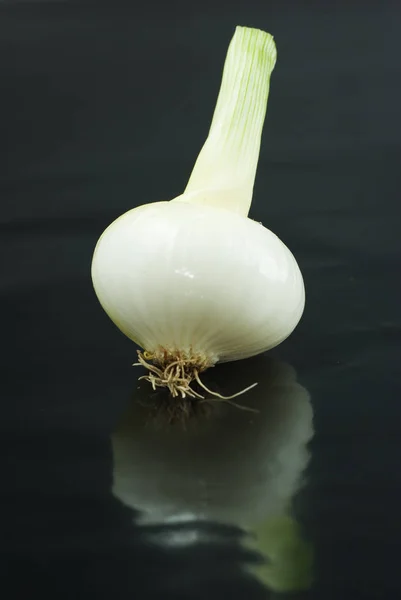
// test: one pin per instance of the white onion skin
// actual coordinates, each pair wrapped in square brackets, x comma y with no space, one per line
[197,279]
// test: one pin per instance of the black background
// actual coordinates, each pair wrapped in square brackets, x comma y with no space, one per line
[103,107]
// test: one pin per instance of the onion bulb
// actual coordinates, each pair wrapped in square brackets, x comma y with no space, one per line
[193,281]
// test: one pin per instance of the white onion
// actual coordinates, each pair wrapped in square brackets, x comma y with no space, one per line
[189,277]
[194,281]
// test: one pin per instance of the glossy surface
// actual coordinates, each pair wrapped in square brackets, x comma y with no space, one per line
[183,276]
[228,465]
[87,133]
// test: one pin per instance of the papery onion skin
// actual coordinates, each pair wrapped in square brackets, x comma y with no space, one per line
[197,279]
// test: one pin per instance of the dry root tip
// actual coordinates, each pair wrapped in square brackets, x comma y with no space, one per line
[177,373]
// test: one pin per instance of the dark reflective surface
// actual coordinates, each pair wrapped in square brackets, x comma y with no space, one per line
[104,106]
[227,464]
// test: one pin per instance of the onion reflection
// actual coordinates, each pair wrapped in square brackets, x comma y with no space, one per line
[231,465]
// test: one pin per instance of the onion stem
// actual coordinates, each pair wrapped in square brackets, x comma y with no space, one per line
[224,173]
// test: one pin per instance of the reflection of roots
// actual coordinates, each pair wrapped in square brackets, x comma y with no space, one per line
[177,371]
[162,411]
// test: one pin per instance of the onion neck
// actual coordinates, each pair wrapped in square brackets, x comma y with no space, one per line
[224,172]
